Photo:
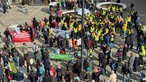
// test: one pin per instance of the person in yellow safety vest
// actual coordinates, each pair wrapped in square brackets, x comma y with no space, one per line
[124,29]
[129,18]
[90,54]
[112,38]
[75,30]
[106,30]
[91,18]
[71,23]
[132,12]
[65,24]
[51,31]
[100,31]
[142,54]
[140,27]
[121,9]
[113,29]
[103,12]
[79,27]
[117,10]
[114,8]
[92,29]
[62,21]
[129,21]
[109,8]
[96,38]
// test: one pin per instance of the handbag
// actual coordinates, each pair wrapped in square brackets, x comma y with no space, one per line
[10,76]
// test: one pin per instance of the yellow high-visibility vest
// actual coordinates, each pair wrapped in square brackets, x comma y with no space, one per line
[109,8]
[75,30]
[124,28]
[96,37]
[91,18]
[112,37]
[106,31]
[143,53]
[104,12]
[79,27]
[51,31]
[114,8]
[128,19]
[121,9]
[140,27]
[62,21]
[117,9]
[90,53]
[65,24]
[92,29]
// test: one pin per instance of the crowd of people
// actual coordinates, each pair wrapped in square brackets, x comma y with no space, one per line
[99,33]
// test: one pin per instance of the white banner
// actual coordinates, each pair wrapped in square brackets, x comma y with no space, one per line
[62,32]
[79,42]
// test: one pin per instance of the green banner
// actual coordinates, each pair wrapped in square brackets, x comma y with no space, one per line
[61,56]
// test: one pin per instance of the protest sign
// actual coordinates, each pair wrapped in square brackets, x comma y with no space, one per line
[61,32]
[61,56]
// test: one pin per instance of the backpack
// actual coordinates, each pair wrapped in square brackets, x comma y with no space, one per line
[143,74]
[113,66]
[41,70]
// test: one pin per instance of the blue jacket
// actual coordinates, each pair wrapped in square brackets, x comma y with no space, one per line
[107,39]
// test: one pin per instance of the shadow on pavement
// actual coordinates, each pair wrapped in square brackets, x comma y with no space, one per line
[46,10]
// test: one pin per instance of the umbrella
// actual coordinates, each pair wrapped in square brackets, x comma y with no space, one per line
[79,11]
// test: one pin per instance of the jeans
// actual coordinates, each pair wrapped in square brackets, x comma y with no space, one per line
[20,81]
[40,79]
[126,78]
[103,71]
[124,35]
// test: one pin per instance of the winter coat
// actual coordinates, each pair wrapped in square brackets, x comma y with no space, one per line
[19,76]
[1,73]
[32,77]
[52,72]
[113,78]
[46,64]
[47,78]
[88,44]
[104,63]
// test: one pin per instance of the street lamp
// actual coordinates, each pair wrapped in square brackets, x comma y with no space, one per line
[82,38]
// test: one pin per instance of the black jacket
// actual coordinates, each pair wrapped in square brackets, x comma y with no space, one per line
[32,77]
[19,76]
[125,70]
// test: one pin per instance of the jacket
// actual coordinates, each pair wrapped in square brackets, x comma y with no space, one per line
[125,70]
[19,76]
[31,77]
[89,43]
[1,73]
[52,72]
[113,78]
[46,64]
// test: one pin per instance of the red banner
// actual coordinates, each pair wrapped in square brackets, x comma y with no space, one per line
[21,37]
